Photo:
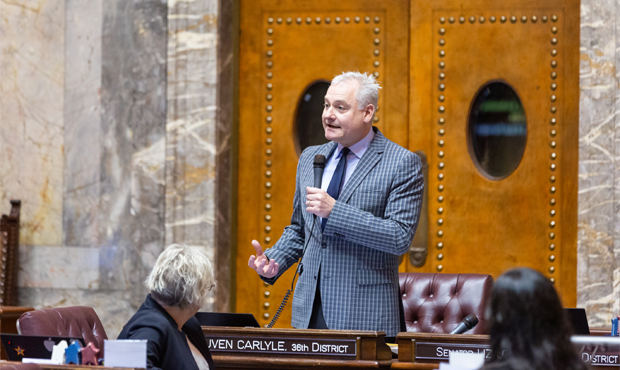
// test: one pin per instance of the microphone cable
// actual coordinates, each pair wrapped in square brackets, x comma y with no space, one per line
[297,271]
[319,166]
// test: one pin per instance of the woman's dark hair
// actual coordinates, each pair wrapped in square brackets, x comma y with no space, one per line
[527,323]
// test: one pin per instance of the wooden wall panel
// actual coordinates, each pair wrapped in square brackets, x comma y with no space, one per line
[487,226]
[286,46]
[477,224]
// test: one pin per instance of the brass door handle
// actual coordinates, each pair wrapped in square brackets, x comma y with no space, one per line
[418,250]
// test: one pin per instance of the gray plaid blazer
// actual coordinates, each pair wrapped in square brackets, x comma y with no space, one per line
[357,254]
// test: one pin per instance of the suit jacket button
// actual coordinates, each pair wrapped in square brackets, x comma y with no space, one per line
[324,245]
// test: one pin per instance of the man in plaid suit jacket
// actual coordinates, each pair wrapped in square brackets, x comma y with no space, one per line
[349,272]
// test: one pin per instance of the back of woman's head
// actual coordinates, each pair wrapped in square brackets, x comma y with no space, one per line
[181,277]
[527,323]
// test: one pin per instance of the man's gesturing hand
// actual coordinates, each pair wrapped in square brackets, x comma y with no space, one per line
[259,262]
[318,202]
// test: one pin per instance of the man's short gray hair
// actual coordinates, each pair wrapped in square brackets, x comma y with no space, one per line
[182,277]
[368,90]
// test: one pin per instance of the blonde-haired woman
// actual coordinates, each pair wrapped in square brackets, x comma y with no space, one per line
[179,284]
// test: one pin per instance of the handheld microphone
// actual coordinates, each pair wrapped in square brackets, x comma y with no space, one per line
[319,167]
[468,323]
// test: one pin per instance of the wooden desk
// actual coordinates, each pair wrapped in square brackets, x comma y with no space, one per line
[67,367]
[261,348]
[426,351]
[8,321]
[600,331]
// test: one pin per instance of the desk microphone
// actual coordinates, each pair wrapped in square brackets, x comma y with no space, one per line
[468,323]
[319,167]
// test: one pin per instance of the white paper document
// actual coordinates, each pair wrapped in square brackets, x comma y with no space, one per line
[463,361]
[40,361]
[125,353]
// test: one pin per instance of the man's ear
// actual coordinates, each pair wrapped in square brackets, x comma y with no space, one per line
[368,113]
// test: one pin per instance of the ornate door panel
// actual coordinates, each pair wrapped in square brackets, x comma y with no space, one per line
[285,47]
[495,107]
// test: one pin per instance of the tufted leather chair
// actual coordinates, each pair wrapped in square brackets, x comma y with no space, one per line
[436,303]
[76,321]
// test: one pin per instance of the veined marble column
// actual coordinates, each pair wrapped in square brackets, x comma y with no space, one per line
[130,221]
[191,125]
[32,74]
[599,224]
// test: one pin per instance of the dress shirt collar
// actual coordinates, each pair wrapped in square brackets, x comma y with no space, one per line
[360,147]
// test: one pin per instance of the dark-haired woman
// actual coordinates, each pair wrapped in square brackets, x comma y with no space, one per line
[528,326]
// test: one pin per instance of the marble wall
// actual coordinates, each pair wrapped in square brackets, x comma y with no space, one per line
[110,135]
[190,128]
[599,173]
[107,135]
[32,81]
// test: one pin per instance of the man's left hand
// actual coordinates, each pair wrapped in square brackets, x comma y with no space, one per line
[318,202]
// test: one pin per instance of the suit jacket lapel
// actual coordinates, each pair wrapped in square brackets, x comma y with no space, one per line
[308,180]
[327,149]
[369,160]
[308,177]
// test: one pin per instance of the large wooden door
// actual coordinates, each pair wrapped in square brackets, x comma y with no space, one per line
[478,222]
[433,58]
[286,46]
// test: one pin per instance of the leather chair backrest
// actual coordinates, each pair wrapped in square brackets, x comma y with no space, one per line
[436,303]
[76,321]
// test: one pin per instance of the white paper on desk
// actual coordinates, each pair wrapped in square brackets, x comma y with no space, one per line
[447,366]
[40,361]
[393,348]
[125,353]
[466,360]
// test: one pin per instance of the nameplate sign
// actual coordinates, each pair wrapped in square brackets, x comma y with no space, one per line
[599,358]
[285,346]
[441,351]
[598,350]
[594,351]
